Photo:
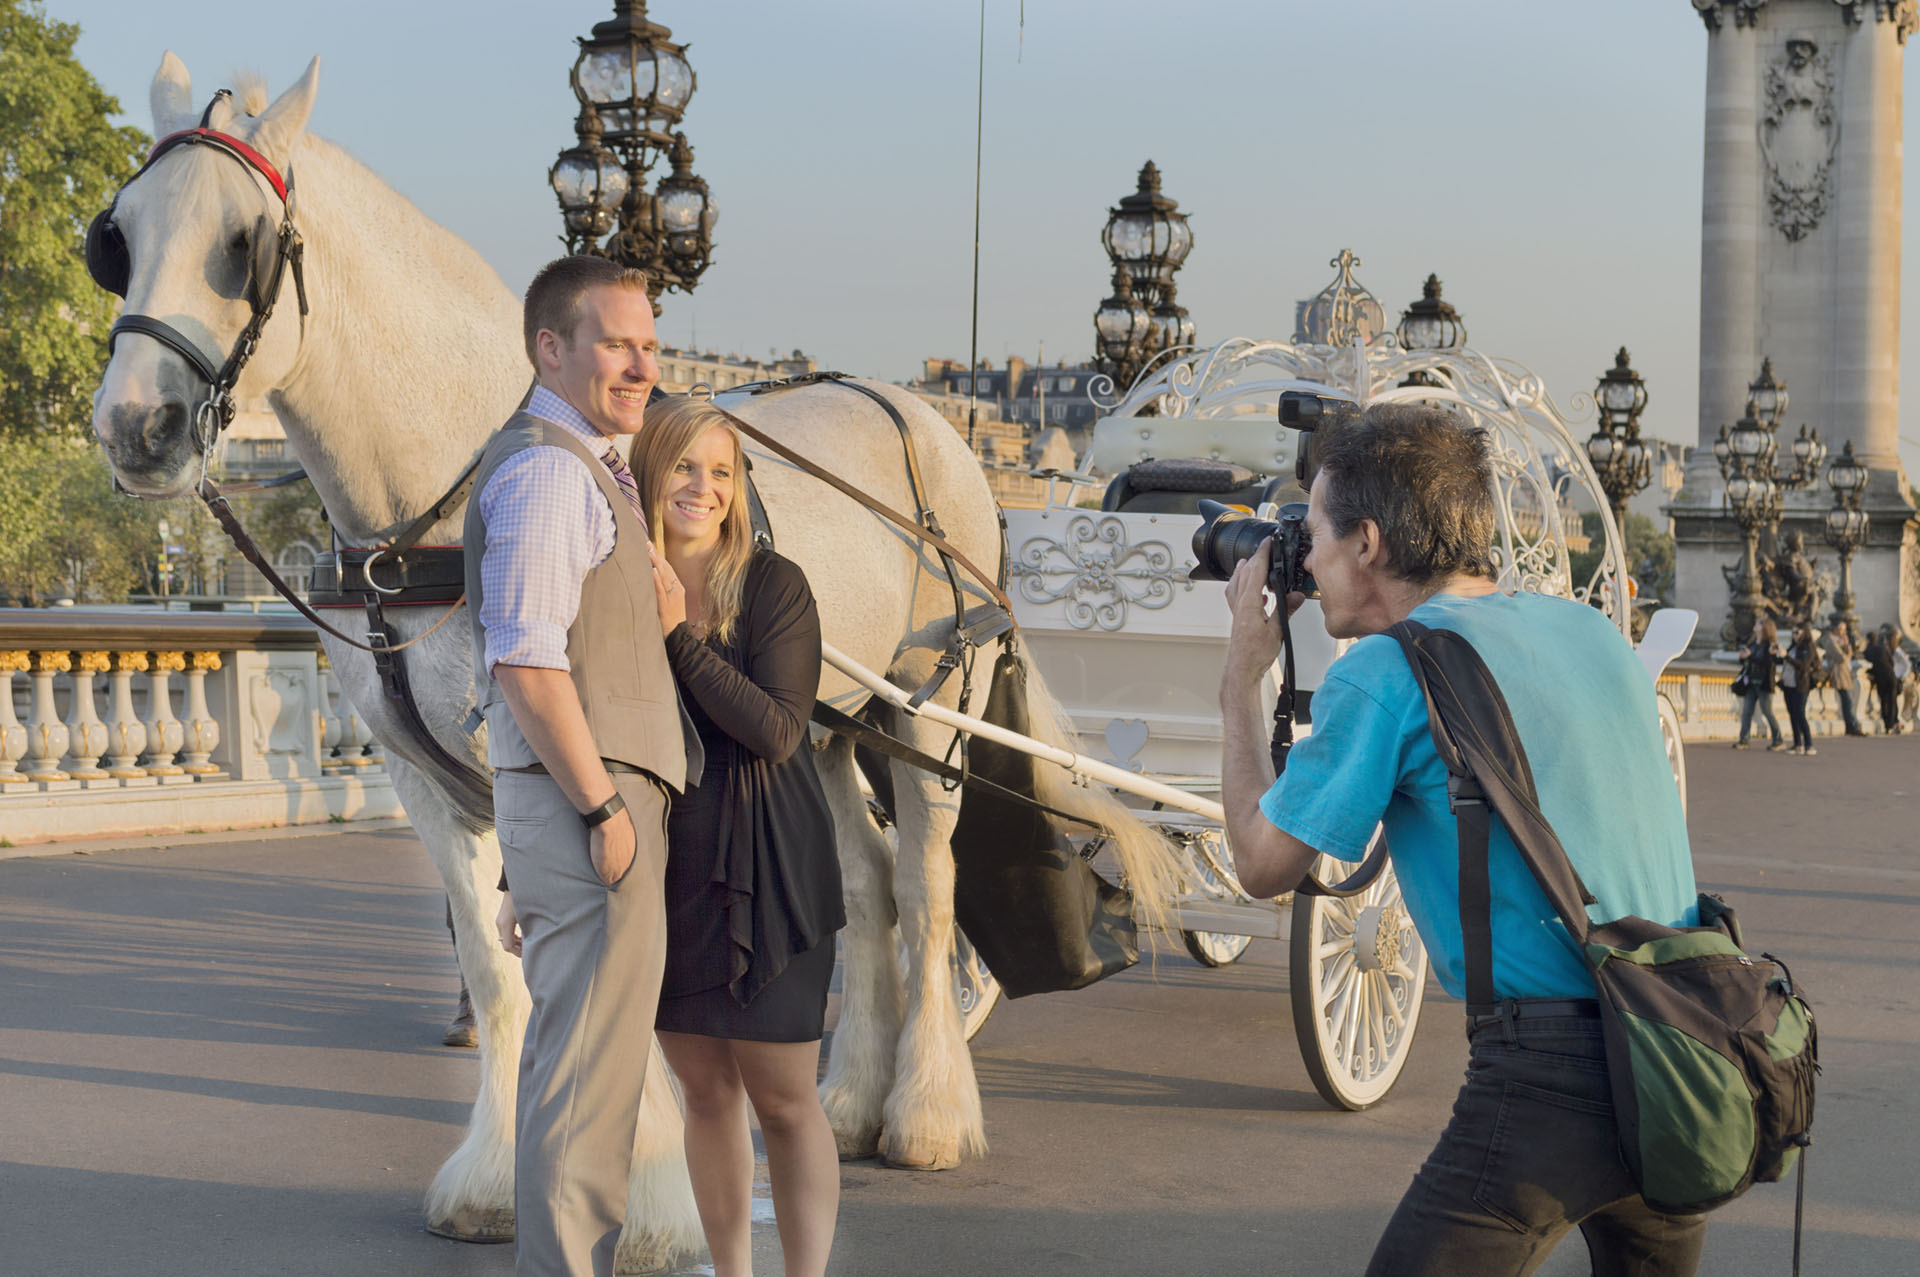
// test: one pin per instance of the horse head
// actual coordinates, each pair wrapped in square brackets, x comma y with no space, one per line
[194,243]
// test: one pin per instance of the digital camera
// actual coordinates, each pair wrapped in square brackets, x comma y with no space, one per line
[1227,535]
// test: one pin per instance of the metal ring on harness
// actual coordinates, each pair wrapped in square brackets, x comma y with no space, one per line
[366,570]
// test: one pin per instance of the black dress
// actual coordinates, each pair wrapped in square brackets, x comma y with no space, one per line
[753,882]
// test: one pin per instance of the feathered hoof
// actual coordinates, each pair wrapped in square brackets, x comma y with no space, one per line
[650,1252]
[919,1155]
[857,1145]
[485,1226]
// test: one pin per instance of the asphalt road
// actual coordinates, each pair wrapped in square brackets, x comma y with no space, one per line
[222,1057]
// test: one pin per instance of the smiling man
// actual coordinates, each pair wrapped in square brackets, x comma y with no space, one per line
[588,742]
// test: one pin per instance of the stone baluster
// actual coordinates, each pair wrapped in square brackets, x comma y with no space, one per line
[354,735]
[329,721]
[13,734]
[126,734]
[201,733]
[86,734]
[46,734]
[164,732]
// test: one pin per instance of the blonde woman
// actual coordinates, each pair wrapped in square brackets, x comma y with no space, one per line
[753,884]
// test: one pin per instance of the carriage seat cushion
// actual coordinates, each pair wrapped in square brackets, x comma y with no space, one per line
[1188,474]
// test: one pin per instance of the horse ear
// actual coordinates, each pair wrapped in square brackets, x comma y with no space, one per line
[281,124]
[171,96]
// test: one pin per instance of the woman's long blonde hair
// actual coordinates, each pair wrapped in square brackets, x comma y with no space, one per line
[672,428]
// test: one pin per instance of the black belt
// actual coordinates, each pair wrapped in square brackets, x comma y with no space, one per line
[540,769]
[1510,1009]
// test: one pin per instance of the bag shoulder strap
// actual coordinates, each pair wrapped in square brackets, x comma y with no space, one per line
[1487,773]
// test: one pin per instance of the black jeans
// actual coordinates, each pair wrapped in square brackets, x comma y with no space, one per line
[1797,717]
[1529,1155]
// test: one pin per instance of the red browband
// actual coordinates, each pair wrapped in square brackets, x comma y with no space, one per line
[228,142]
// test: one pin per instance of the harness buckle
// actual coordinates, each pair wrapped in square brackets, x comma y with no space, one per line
[1462,790]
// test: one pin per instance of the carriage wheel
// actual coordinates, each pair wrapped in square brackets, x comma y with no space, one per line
[1676,751]
[974,988]
[1358,975]
[1214,948]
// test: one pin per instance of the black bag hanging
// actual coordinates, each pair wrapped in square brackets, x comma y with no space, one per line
[1711,1053]
[1036,912]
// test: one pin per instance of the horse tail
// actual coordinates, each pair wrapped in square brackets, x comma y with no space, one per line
[1145,858]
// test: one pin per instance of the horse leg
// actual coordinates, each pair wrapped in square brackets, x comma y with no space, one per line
[663,1224]
[471,1198]
[860,1061]
[932,1118]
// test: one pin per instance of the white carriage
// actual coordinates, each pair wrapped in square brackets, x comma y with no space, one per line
[1134,648]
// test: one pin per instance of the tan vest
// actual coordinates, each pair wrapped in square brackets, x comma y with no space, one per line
[619,664]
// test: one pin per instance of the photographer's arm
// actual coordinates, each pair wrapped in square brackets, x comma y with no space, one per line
[1267,859]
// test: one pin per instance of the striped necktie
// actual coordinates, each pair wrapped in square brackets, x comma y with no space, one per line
[629,486]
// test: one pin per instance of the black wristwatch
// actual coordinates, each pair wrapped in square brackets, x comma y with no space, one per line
[605,811]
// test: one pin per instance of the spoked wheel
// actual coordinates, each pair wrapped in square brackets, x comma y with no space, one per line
[1676,751]
[1213,948]
[1359,973]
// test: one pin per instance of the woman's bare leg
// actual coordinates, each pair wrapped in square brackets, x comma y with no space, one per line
[802,1161]
[719,1146]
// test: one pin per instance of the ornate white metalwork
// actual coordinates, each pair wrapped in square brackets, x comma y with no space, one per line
[1221,402]
[1095,573]
[1798,135]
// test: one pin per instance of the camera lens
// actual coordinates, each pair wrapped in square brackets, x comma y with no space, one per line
[1224,539]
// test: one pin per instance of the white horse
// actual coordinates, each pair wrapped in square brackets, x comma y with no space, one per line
[409,358]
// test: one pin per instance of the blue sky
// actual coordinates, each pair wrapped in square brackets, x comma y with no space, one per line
[1543,159]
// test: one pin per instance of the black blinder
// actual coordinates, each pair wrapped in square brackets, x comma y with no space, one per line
[265,259]
[106,250]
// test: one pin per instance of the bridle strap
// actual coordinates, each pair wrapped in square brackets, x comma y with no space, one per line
[167,335]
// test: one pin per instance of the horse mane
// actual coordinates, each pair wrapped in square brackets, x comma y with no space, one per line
[250,90]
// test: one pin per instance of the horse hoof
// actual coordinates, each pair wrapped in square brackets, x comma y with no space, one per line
[481,1226]
[920,1157]
[858,1146]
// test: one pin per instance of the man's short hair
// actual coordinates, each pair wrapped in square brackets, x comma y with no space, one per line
[553,298]
[1425,476]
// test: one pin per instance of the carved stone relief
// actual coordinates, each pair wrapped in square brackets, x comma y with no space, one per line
[1904,14]
[1799,132]
[279,712]
[1745,12]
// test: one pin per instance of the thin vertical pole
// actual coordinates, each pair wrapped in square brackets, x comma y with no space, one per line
[973,349]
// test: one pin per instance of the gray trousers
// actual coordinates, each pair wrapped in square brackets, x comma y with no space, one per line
[592,956]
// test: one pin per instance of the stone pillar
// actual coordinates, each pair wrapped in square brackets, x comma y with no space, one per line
[46,734]
[13,733]
[1730,232]
[164,733]
[86,734]
[126,734]
[200,732]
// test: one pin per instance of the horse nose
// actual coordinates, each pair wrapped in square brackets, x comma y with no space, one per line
[149,437]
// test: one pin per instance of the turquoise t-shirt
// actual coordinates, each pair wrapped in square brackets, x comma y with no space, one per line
[1580,700]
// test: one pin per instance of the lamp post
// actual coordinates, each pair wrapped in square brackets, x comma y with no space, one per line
[1754,487]
[633,84]
[1846,528]
[1623,463]
[1147,239]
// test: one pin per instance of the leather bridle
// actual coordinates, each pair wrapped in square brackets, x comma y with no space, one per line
[216,412]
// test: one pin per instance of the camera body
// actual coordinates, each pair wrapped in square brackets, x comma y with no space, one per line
[1227,535]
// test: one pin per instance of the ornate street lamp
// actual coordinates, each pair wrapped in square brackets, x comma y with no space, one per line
[1754,489]
[1147,239]
[1623,463]
[1430,324]
[1124,329]
[634,84]
[1846,528]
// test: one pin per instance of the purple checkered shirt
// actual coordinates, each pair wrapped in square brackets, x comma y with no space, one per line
[548,525]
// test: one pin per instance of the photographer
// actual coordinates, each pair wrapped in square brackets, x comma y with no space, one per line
[1402,523]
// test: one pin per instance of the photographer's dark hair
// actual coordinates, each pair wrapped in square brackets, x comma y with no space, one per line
[1425,477]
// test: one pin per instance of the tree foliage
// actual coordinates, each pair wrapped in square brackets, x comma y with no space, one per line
[60,162]
[64,532]
[1650,554]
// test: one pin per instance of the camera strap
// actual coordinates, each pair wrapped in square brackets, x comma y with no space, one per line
[1283,706]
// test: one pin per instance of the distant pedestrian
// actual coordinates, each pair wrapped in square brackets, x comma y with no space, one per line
[1836,649]
[1760,663]
[1908,676]
[1886,683]
[1796,681]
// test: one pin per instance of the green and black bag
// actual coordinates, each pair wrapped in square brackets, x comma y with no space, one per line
[1712,1053]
